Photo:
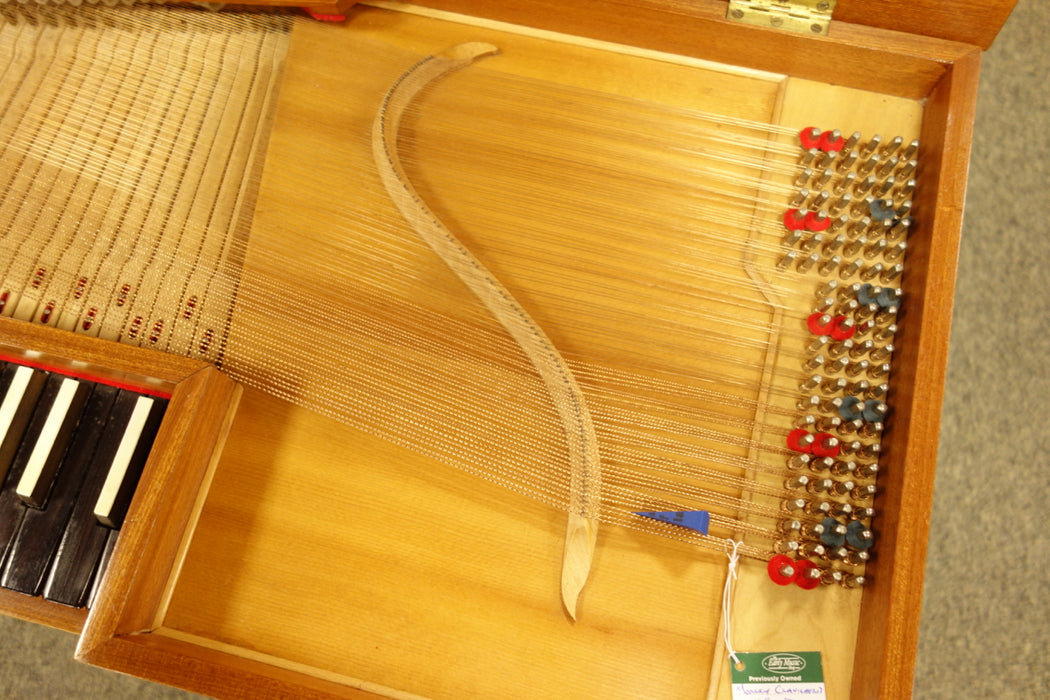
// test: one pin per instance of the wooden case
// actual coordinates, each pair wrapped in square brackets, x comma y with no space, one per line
[201,405]
[157,616]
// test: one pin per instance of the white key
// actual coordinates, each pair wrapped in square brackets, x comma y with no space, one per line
[15,411]
[121,461]
[51,444]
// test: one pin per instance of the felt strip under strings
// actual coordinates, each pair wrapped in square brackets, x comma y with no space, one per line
[642,238]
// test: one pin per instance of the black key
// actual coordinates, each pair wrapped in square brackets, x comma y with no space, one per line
[69,579]
[36,541]
[103,564]
[11,507]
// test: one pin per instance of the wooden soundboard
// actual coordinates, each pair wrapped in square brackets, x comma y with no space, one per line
[300,557]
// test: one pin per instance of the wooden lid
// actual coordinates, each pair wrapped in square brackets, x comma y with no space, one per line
[974,22]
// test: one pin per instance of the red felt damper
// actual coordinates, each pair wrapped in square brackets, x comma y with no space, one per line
[810,137]
[794,441]
[802,581]
[776,564]
[795,220]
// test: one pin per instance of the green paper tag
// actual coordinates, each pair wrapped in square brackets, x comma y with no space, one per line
[784,675]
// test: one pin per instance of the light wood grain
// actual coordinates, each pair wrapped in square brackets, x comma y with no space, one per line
[349,562]
[327,562]
[184,436]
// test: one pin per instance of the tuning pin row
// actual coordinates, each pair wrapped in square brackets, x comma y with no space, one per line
[783,570]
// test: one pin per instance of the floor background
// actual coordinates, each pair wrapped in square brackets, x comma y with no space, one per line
[986,613]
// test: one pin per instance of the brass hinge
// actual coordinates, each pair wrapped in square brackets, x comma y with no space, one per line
[801,16]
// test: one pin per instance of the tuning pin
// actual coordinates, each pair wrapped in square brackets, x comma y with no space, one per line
[832,385]
[857,558]
[809,403]
[787,260]
[805,264]
[809,157]
[828,424]
[848,307]
[826,289]
[883,188]
[861,349]
[864,186]
[883,353]
[818,466]
[824,305]
[793,504]
[786,547]
[891,146]
[895,252]
[866,471]
[875,248]
[899,229]
[854,246]
[809,384]
[848,161]
[860,493]
[877,391]
[871,272]
[796,482]
[789,526]
[849,269]
[848,181]
[817,508]
[798,461]
[840,203]
[838,554]
[871,430]
[819,485]
[854,369]
[829,405]
[792,238]
[869,164]
[884,332]
[844,468]
[836,365]
[871,451]
[880,370]
[863,513]
[851,447]
[813,363]
[887,166]
[828,265]
[871,145]
[853,581]
[840,488]
[836,350]
[858,536]
[841,510]
[812,529]
[811,549]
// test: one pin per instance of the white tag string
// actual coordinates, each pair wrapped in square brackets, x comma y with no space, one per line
[727,596]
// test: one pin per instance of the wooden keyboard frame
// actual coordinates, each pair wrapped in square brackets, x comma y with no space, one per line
[197,419]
